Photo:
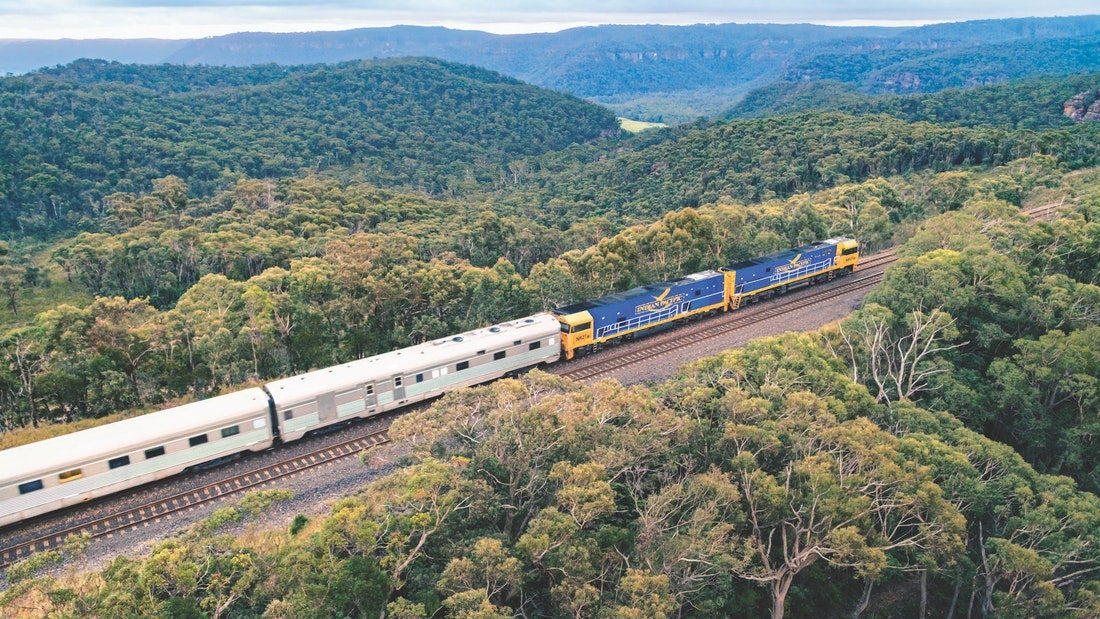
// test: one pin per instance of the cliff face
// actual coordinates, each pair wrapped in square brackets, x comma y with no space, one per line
[1083,106]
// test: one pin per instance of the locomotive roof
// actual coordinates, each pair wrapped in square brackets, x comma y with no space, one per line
[649,289]
[435,353]
[785,253]
[113,439]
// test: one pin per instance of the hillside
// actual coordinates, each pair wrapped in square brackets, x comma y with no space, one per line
[1036,103]
[175,232]
[755,160]
[988,64]
[75,135]
[669,73]
[539,495]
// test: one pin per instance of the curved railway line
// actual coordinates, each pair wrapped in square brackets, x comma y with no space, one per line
[868,275]
[165,508]
[50,533]
[646,349]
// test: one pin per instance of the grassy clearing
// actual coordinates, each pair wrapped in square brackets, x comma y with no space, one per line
[637,126]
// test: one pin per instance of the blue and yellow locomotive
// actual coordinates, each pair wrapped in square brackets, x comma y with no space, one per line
[586,326]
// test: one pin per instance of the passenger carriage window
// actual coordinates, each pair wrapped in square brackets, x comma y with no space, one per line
[70,475]
[120,461]
[195,441]
[419,378]
[481,352]
[30,486]
[231,431]
[154,452]
[534,345]
[462,365]
[497,356]
[517,342]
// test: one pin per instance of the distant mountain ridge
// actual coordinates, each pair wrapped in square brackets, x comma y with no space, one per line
[646,71]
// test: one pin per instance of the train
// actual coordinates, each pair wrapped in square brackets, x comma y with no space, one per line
[71,469]
[590,325]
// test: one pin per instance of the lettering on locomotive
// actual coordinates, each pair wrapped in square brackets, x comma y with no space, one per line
[796,263]
[659,303]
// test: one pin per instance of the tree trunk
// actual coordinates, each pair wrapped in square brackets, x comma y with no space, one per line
[779,594]
[864,600]
[923,594]
[954,599]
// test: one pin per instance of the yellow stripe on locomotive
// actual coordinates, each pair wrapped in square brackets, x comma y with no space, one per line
[763,277]
[589,324]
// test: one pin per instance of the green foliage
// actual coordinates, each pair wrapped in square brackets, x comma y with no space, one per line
[1035,103]
[762,159]
[32,565]
[275,278]
[256,502]
[563,499]
[933,68]
[221,518]
[1016,356]
[72,143]
[543,497]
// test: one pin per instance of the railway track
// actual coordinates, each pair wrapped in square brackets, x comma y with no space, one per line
[868,275]
[1045,212]
[165,508]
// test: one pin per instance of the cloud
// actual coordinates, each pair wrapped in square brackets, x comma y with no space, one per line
[198,18]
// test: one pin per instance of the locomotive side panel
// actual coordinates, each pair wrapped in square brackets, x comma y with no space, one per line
[776,273]
[592,323]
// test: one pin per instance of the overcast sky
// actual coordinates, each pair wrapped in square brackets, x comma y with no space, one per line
[184,19]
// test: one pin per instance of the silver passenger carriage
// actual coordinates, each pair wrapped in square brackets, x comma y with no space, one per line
[69,469]
[376,384]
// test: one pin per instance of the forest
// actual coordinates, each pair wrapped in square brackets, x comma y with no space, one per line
[1032,103]
[77,135]
[932,454]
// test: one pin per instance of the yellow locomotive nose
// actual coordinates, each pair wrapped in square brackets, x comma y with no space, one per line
[576,333]
[847,254]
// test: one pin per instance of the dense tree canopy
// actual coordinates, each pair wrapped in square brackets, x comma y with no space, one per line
[752,479]
[995,319]
[233,226]
[1035,103]
[72,138]
[778,157]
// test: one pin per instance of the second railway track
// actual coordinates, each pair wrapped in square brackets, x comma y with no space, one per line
[692,334]
[868,275]
[14,548]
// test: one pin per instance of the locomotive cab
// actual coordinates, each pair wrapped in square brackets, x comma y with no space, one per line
[847,254]
[576,332]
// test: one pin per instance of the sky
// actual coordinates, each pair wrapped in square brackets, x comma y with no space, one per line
[187,19]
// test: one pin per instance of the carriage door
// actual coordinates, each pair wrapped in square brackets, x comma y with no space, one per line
[398,388]
[369,398]
[326,407]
